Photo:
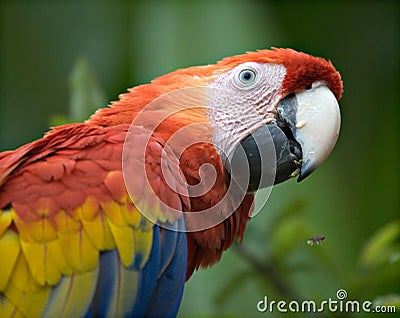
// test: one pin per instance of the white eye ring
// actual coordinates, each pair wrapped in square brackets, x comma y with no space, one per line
[247,76]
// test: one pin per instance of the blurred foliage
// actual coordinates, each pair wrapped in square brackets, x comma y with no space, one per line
[382,247]
[352,199]
[86,94]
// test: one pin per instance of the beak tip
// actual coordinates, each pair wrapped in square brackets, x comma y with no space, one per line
[306,169]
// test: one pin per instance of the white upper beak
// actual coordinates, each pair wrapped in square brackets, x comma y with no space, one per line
[317,125]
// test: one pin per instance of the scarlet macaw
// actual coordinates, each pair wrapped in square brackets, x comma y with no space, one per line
[74,243]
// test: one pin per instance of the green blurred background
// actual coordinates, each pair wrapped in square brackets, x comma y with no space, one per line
[52,52]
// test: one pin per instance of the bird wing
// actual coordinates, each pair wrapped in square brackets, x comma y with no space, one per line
[72,242]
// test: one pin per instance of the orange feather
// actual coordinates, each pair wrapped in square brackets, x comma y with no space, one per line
[70,181]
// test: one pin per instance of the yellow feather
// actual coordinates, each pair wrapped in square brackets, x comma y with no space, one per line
[65,224]
[154,211]
[44,231]
[79,251]
[42,264]
[72,296]
[34,255]
[123,237]
[31,304]
[41,231]
[113,210]
[5,221]
[24,292]
[22,277]
[9,251]
[99,233]
[89,209]
[23,231]
[7,309]
[57,256]
[51,269]
[130,214]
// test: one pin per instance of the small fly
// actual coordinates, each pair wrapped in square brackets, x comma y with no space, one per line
[318,239]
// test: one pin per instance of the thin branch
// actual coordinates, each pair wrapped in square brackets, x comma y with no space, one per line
[269,272]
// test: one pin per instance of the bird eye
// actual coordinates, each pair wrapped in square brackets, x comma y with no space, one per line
[247,76]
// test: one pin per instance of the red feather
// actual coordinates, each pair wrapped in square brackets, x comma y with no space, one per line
[74,162]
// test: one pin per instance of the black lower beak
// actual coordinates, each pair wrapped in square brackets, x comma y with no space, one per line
[268,156]
[287,151]
[301,137]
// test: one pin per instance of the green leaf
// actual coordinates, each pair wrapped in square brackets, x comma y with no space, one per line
[86,94]
[381,247]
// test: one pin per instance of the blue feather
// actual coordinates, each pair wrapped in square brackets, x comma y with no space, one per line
[148,277]
[154,291]
[167,296]
[104,294]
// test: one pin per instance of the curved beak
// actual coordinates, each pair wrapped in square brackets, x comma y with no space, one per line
[313,117]
[302,137]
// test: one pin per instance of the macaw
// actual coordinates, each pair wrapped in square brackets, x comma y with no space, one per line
[84,231]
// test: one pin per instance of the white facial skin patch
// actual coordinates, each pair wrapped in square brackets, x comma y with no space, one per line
[242,100]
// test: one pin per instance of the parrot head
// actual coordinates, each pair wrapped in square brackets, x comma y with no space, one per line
[271,114]
[258,119]
[276,101]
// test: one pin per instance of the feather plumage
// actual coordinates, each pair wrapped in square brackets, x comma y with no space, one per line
[73,242]
[69,228]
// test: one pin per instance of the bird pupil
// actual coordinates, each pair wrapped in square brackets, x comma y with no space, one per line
[247,76]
